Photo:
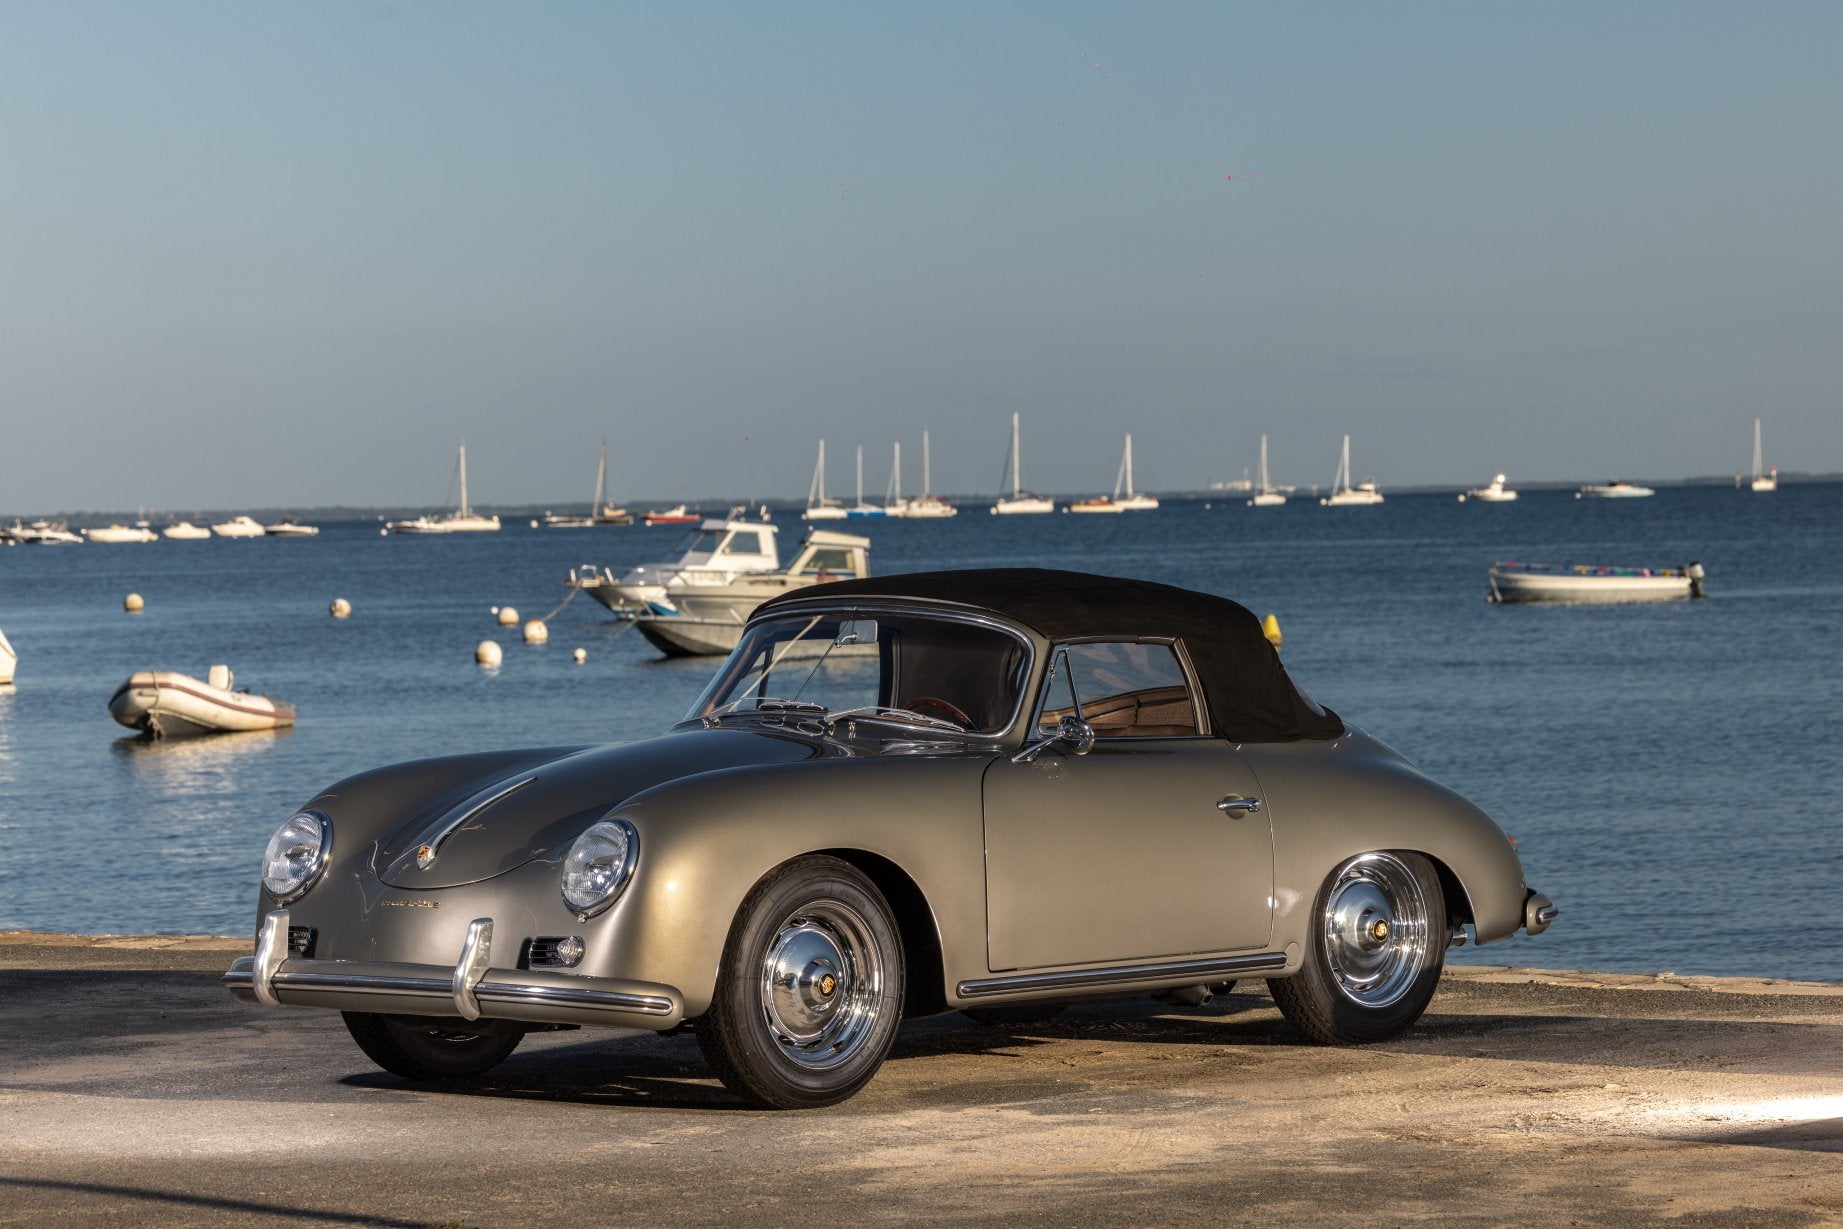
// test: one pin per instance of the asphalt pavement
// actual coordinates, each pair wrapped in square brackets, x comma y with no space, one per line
[135,1091]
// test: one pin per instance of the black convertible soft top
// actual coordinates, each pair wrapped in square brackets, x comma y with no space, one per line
[1250,696]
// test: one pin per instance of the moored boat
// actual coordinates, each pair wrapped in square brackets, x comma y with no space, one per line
[710,618]
[601,512]
[1343,494]
[288,527]
[462,520]
[1020,502]
[1266,495]
[1764,479]
[8,660]
[120,533]
[163,702]
[1493,492]
[927,505]
[45,533]
[1551,582]
[679,514]
[717,554]
[1618,488]
[185,531]
[239,527]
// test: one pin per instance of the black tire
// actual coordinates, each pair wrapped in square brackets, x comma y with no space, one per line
[1013,1015]
[428,1047]
[1359,983]
[809,991]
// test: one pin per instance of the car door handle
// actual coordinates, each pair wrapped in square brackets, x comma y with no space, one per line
[1238,806]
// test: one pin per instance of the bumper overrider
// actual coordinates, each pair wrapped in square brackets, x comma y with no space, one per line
[1538,912]
[471,988]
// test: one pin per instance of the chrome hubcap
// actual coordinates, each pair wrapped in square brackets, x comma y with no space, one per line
[821,982]
[1375,929]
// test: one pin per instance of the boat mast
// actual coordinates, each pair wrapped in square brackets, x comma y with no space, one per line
[860,475]
[1126,470]
[1263,490]
[816,489]
[1756,450]
[464,508]
[1017,470]
[1341,482]
[601,477]
[927,486]
[895,495]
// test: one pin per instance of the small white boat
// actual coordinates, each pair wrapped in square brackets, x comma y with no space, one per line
[185,531]
[1344,495]
[1021,502]
[717,554]
[288,527]
[819,506]
[1763,479]
[461,520]
[927,505]
[8,660]
[121,533]
[1266,495]
[1550,582]
[45,533]
[162,702]
[1616,489]
[239,527]
[1493,492]
[710,618]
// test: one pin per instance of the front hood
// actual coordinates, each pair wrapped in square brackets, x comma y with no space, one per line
[504,821]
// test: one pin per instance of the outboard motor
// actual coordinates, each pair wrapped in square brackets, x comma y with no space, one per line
[1694,572]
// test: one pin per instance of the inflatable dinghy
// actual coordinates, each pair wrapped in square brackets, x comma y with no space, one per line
[162,702]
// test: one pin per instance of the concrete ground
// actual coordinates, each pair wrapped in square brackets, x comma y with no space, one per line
[135,1091]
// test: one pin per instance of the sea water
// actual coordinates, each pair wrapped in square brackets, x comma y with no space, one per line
[1673,772]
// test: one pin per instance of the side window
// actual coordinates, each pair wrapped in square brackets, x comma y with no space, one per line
[744,542]
[1124,689]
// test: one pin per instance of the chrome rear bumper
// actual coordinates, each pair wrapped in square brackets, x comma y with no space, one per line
[1538,912]
[470,988]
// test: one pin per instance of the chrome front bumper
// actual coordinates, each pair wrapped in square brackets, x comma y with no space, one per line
[470,989]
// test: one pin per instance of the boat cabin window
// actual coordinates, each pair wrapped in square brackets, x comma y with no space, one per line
[810,665]
[1122,688]
[703,542]
[835,561]
[744,542]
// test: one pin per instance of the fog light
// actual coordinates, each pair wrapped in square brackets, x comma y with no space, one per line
[568,951]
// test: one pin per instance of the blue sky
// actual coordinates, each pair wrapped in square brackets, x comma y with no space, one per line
[291,255]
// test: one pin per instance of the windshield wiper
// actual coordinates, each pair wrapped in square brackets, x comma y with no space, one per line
[896,716]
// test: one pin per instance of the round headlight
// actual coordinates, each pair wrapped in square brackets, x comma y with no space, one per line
[599,865]
[296,855]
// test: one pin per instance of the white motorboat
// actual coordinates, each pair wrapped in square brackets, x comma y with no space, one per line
[45,533]
[185,531]
[711,618]
[1493,492]
[288,527]
[1616,489]
[1266,495]
[8,660]
[461,520]
[600,511]
[162,702]
[1549,582]
[818,506]
[1343,494]
[1020,502]
[121,533]
[927,505]
[719,553]
[1763,479]
[239,527]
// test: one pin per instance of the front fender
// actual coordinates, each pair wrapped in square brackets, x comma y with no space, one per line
[707,840]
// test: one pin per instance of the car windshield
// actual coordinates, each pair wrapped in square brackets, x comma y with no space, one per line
[918,670]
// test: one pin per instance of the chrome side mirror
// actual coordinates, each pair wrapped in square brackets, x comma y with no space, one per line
[1073,736]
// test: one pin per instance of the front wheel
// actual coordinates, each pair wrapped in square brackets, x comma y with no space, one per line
[1373,959]
[809,991]
[428,1047]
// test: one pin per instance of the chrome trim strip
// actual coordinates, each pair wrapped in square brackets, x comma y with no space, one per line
[471,967]
[434,836]
[271,951]
[486,991]
[1176,971]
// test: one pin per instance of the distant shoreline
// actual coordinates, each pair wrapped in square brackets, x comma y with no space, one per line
[716,506]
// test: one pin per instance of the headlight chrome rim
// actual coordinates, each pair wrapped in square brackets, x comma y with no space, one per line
[619,870]
[316,859]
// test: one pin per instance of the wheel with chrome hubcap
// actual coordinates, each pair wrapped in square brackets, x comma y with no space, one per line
[809,993]
[1378,944]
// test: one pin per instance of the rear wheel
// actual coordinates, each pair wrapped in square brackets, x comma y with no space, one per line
[1374,958]
[809,992]
[428,1047]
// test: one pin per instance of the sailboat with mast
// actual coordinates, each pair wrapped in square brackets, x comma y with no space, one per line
[818,506]
[1266,495]
[462,520]
[860,508]
[600,513]
[1343,494]
[1021,502]
[1763,479]
[927,504]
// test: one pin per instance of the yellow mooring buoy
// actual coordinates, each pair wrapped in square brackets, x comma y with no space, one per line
[1270,628]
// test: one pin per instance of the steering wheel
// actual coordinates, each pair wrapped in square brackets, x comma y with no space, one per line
[946,706]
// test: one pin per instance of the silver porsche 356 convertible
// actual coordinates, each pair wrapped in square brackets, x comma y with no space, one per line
[994,791]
